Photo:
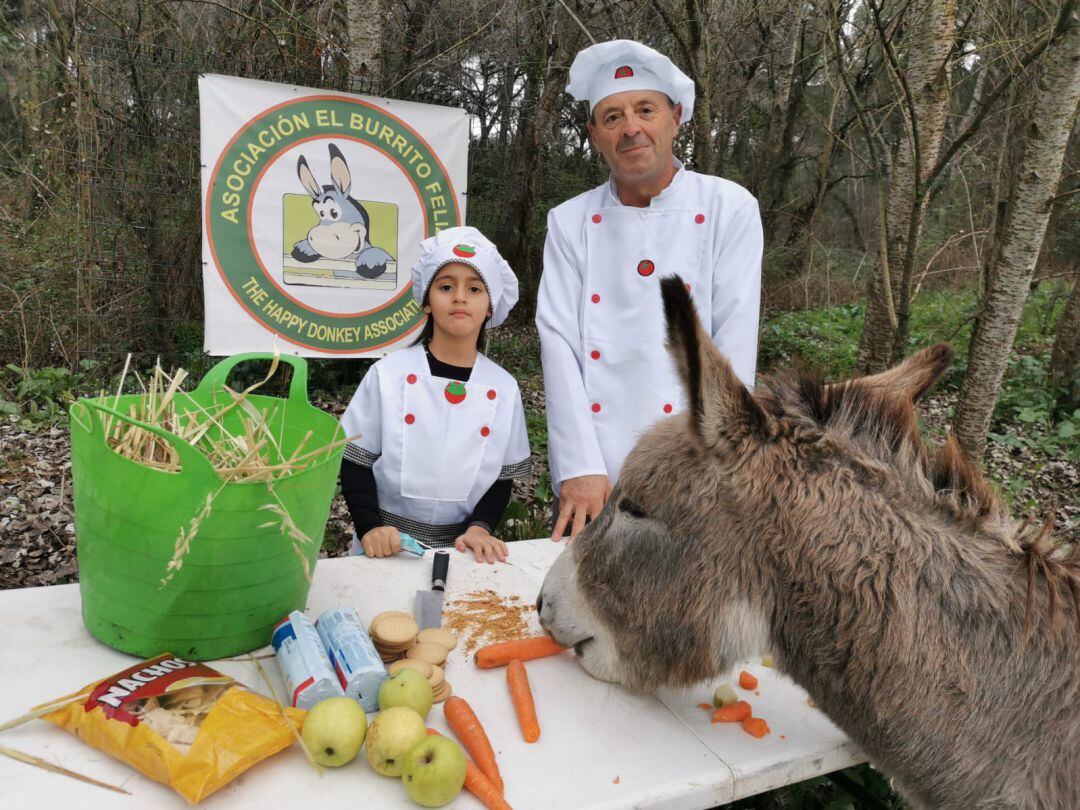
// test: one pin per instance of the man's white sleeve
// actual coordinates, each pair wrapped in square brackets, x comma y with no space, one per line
[736,291]
[364,417]
[573,449]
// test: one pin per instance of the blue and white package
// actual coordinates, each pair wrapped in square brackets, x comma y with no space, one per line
[359,668]
[304,664]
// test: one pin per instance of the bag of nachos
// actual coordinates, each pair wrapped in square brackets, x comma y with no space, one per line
[181,723]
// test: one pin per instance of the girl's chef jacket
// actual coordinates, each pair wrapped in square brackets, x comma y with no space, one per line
[607,374]
[435,445]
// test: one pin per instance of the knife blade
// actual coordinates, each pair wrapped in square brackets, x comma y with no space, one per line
[427,609]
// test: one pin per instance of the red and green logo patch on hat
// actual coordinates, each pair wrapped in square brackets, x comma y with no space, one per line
[464,251]
[646,267]
[624,72]
[454,392]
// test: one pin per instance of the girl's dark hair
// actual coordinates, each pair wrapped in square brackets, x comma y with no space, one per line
[429,328]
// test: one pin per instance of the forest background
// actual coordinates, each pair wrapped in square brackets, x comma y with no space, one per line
[916,164]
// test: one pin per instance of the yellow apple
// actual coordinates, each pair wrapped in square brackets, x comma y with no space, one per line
[393,732]
[334,731]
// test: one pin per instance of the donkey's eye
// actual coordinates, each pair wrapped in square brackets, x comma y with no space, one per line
[631,508]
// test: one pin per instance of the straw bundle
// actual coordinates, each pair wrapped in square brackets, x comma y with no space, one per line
[248,451]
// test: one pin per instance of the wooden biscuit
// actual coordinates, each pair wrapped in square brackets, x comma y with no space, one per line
[423,667]
[439,636]
[443,692]
[437,676]
[428,651]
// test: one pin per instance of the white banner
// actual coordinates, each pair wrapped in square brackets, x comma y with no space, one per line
[314,205]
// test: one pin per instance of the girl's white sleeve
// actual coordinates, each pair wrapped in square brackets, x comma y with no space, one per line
[518,462]
[363,420]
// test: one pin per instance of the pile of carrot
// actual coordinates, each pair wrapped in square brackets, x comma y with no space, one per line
[526,649]
[740,711]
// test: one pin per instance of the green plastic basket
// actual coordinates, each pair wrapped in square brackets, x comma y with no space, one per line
[237,580]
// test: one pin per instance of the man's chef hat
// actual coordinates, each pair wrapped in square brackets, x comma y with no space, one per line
[622,64]
[467,245]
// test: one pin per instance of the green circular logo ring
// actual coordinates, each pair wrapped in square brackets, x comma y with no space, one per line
[228,207]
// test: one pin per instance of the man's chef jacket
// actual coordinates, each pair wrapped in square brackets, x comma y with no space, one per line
[607,373]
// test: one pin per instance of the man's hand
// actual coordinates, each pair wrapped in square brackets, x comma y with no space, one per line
[580,498]
[480,542]
[383,541]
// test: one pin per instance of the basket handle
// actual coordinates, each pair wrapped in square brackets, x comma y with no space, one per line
[192,462]
[216,377]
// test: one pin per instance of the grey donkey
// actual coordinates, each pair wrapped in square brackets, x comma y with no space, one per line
[883,573]
[344,224]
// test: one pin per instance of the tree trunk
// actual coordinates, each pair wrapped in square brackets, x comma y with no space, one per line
[1065,360]
[543,90]
[926,78]
[365,23]
[1026,215]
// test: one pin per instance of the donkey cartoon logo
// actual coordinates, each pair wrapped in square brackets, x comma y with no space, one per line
[344,225]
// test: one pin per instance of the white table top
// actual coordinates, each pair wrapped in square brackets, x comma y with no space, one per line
[600,747]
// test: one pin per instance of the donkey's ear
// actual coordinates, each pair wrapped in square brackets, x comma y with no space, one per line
[719,403]
[339,170]
[308,179]
[913,377]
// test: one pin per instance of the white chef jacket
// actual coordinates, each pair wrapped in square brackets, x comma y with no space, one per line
[435,446]
[607,373]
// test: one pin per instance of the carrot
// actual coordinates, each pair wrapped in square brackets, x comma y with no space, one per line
[518,682]
[479,785]
[739,710]
[465,724]
[747,681]
[756,726]
[526,649]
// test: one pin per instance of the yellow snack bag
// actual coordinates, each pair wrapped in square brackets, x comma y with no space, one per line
[178,722]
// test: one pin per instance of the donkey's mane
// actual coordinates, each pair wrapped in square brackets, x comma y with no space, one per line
[881,426]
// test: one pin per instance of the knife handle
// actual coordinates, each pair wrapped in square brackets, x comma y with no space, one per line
[439,569]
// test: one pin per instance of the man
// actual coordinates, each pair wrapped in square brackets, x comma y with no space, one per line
[607,375]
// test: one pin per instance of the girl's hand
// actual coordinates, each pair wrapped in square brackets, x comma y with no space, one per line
[483,545]
[383,541]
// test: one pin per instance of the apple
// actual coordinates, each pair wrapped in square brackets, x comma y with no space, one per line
[434,771]
[407,687]
[393,732]
[334,730]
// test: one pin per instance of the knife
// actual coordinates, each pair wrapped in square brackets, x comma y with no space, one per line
[427,609]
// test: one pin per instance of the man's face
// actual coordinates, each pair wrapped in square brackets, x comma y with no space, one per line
[634,132]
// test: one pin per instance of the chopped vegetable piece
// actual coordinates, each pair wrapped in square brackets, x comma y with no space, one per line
[724,695]
[737,711]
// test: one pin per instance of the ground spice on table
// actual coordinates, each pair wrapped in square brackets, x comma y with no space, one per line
[484,617]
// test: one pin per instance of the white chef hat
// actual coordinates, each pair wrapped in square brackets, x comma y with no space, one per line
[622,64]
[466,245]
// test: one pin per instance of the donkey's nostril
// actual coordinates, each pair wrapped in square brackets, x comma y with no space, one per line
[539,603]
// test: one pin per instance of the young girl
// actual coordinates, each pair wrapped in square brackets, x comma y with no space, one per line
[442,428]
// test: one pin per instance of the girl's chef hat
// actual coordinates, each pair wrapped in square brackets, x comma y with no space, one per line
[467,245]
[613,67]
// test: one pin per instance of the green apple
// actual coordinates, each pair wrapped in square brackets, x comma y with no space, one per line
[434,771]
[393,732]
[407,688]
[334,731]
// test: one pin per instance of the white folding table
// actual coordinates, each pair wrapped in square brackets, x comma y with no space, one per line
[600,747]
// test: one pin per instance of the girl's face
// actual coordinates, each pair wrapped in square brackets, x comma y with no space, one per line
[458,300]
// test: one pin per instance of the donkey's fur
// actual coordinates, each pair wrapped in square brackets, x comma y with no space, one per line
[883,574]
